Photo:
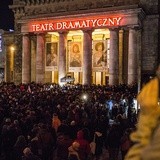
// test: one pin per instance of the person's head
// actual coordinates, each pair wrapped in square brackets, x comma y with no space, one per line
[53,48]
[8,120]
[21,138]
[75,145]
[76,48]
[27,151]
[73,123]
[99,46]
[80,134]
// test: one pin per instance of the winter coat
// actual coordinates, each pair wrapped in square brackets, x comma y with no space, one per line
[148,120]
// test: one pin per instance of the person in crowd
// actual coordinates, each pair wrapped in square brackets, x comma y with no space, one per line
[46,142]
[73,151]
[125,142]
[63,143]
[64,127]
[73,129]
[9,137]
[28,155]
[84,147]
[19,146]
[24,113]
[99,143]
[56,122]
[113,141]
[35,144]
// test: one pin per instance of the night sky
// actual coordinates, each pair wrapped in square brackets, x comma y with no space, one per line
[6,15]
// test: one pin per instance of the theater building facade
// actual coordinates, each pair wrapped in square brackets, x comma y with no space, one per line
[93,41]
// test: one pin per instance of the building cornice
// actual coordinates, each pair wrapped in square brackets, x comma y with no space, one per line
[134,11]
[26,9]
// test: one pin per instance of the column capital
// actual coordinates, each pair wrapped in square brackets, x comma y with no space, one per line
[33,38]
[114,29]
[25,33]
[87,31]
[63,32]
[134,27]
[40,34]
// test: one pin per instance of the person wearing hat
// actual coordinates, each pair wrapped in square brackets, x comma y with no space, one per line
[146,142]
[73,151]
[28,155]
[84,148]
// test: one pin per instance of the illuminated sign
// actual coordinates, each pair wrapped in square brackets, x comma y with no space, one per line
[74,24]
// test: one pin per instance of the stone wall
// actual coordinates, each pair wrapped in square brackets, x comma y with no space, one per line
[150,37]
[149,6]
[150,43]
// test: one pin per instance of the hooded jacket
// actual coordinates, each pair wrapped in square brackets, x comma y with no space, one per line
[84,148]
[148,119]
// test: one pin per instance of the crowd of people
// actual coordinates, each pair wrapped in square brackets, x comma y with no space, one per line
[48,121]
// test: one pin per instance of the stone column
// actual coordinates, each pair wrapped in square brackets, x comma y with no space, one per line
[132,56]
[40,56]
[139,55]
[87,57]
[33,58]
[114,57]
[62,55]
[121,40]
[26,59]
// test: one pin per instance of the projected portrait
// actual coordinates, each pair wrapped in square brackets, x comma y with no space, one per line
[51,54]
[75,55]
[99,54]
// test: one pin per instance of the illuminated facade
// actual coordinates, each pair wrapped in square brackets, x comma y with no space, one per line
[94,41]
[2,57]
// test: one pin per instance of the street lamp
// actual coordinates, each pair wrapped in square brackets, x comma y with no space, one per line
[12,48]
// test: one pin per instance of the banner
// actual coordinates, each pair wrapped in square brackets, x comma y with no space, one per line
[51,56]
[100,56]
[75,57]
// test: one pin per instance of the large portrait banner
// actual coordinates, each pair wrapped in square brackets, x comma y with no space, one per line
[100,56]
[75,57]
[51,56]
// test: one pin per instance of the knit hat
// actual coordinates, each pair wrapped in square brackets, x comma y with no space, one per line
[72,123]
[75,145]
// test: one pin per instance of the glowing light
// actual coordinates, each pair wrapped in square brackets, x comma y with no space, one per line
[84,96]
[12,48]
[74,24]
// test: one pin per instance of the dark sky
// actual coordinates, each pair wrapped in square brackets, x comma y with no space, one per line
[6,15]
